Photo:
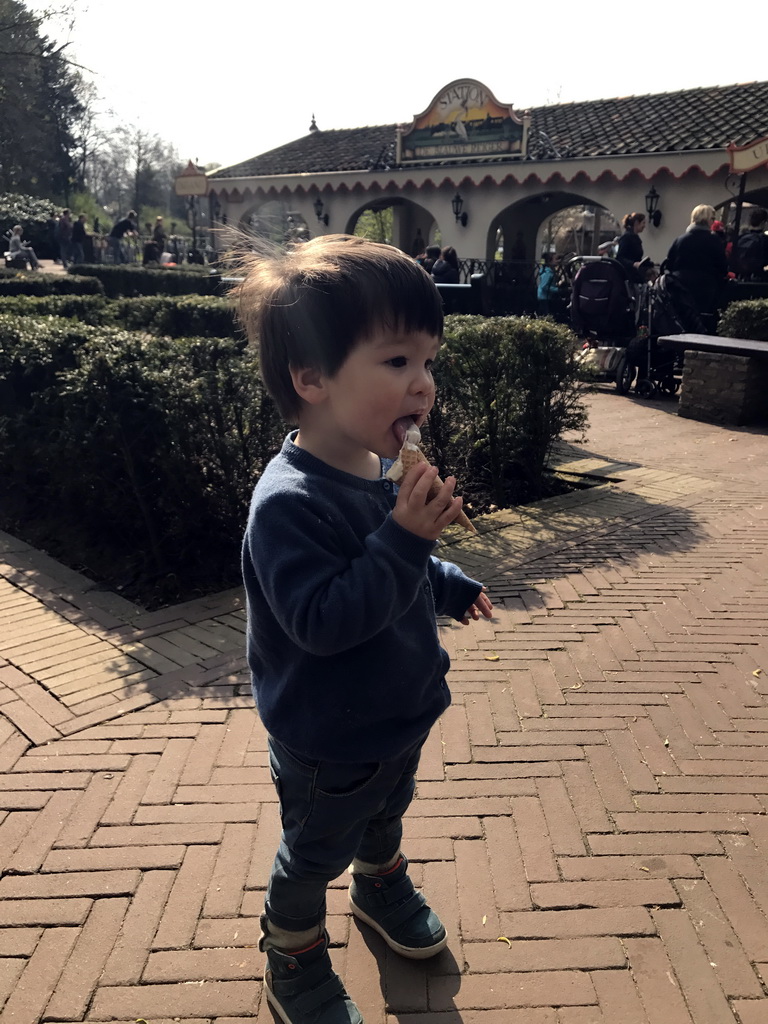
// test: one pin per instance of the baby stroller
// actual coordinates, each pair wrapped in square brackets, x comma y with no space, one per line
[603,312]
[664,308]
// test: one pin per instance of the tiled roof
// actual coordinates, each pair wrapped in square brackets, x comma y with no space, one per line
[690,119]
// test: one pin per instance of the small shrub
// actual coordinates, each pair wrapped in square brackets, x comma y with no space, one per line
[748,319]
[49,284]
[507,389]
[126,281]
[129,455]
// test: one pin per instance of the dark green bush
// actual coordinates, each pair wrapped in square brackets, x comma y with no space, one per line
[126,281]
[183,316]
[199,315]
[507,389]
[747,319]
[89,309]
[49,284]
[132,456]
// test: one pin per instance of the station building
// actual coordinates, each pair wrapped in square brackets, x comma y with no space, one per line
[485,177]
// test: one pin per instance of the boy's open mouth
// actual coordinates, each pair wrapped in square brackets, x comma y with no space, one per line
[400,427]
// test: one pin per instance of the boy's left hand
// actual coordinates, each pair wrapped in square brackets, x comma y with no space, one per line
[482,605]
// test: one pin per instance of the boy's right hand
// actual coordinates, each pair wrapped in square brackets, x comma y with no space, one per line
[416,512]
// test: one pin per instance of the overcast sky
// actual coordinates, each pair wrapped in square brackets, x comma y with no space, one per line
[224,81]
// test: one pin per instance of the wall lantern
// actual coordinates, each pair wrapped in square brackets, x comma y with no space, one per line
[322,217]
[456,204]
[651,206]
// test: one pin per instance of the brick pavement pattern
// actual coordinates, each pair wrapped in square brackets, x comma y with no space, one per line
[591,812]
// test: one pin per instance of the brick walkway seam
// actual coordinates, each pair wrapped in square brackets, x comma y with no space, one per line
[590,820]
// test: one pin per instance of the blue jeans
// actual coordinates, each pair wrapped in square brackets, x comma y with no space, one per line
[332,813]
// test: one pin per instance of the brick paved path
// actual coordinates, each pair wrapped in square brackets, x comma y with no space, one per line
[591,813]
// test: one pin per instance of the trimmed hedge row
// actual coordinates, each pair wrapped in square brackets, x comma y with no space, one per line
[36,283]
[203,316]
[129,455]
[126,281]
[748,319]
[133,456]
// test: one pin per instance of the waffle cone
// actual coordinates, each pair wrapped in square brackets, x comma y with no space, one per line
[409,457]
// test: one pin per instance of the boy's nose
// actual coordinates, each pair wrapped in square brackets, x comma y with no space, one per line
[422,383]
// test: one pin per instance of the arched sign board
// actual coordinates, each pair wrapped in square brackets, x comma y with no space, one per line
[191,182]
[464,120]
[747,158]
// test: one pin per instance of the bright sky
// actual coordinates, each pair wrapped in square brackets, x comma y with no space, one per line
[224,81]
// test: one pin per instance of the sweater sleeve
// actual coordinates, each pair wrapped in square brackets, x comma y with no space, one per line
[325,600]
[454,592]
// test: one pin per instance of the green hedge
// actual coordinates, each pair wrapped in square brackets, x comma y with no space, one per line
[202,316]
[132,455]
[89,309]
[35,283]
[747,319]
[126,281]
[507,388]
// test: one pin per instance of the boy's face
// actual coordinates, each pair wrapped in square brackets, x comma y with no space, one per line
[384,384]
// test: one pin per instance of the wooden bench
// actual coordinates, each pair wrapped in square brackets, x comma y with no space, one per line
[725,380]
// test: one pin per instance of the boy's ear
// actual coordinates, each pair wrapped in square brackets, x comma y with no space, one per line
[308,382]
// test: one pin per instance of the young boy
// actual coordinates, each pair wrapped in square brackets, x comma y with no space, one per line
[348,674]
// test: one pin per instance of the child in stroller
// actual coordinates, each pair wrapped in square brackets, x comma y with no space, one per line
[621,325]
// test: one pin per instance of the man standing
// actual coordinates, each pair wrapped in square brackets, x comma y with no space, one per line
[126,226]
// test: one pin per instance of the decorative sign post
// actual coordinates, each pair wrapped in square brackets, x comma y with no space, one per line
[743,159]
[192,182]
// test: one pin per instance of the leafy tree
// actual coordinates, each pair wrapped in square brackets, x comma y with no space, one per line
[376,225]
[39,107]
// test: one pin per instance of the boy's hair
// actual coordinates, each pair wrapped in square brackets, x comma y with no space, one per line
[757,218]
[310,304]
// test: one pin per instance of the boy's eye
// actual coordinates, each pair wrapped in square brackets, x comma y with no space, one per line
[398,361]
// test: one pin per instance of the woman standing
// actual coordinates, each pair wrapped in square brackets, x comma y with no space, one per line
[630,249]
[697,260]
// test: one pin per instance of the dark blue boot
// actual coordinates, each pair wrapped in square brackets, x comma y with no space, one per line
[390,904]
[303,987]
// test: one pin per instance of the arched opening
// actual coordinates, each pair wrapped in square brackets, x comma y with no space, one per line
[562,222]
[397,221]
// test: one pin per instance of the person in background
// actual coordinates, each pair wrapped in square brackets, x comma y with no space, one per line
[17,247]
[697,260]
[429,257]
[52,230]
[64,238]
[546,284]
[446,269]
[126,226]
[630,249]
[751,256]
[159,236]
[79,236]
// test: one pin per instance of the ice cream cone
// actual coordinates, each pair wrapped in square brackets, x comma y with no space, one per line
[409,456]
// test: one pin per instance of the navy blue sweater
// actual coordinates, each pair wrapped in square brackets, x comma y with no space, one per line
[342,640]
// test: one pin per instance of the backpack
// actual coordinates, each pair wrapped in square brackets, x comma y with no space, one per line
[751,253]
[600,301]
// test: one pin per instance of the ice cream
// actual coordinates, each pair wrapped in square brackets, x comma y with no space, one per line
[410,454]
